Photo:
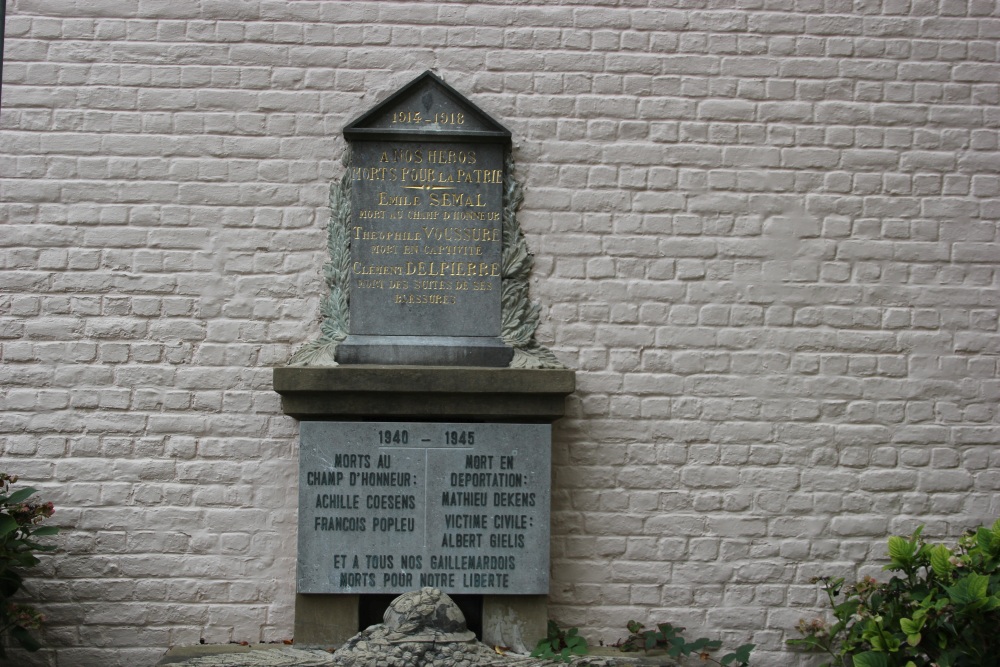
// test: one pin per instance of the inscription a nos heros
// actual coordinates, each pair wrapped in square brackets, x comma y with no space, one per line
[412,225]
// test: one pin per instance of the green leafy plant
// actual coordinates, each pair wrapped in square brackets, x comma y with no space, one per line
[668,638]
[941,610]
[560,644]
[19,527]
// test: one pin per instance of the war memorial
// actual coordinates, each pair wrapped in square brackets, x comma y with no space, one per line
[409,327]
[429,299]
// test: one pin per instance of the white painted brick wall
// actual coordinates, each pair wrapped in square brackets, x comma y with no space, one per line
[767,237]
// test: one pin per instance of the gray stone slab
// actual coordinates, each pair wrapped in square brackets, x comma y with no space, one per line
[425,238]
[386,507]
[393,380]
[427,107]
[425,350]
[427,176]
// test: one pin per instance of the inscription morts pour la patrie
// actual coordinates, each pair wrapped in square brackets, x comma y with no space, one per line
[427,174]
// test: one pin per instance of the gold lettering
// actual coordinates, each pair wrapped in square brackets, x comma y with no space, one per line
[385,199]
[362,235]
[457,199]
[407,155]
[376,270]
[425,299]
[374,173]
[483,269]
[458,234]
[451,157]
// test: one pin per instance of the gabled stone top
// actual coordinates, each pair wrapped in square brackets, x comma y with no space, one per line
[427,109]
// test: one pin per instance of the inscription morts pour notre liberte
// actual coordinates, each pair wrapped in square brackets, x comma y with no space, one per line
[385,507]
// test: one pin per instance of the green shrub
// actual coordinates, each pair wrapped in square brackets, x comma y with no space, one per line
[942,610]
[668,638]
[18,527]
[559,644]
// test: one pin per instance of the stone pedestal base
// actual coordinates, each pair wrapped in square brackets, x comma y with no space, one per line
[360,392]
[325,620]
[515,621]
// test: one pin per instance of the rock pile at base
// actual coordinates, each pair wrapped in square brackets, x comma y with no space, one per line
[421,628]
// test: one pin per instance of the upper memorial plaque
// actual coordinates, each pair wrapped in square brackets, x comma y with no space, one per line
[427,182]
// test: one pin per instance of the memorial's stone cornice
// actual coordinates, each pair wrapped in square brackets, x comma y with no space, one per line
[467,393]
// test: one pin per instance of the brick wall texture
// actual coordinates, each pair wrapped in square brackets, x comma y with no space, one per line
[766,235]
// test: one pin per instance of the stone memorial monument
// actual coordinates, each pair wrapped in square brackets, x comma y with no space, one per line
[426,402]
[427,198]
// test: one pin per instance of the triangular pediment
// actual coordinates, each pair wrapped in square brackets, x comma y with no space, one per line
[427,109]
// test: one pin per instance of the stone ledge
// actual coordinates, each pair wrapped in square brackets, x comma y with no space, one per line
[265,655]
[359,391]
[253,655]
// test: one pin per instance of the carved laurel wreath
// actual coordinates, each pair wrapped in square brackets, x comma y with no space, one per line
[519,316]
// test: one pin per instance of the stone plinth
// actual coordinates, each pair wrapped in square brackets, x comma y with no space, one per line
[420,392]
[431,394]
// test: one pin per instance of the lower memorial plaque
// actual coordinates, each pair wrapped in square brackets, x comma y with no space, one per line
[387,507]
